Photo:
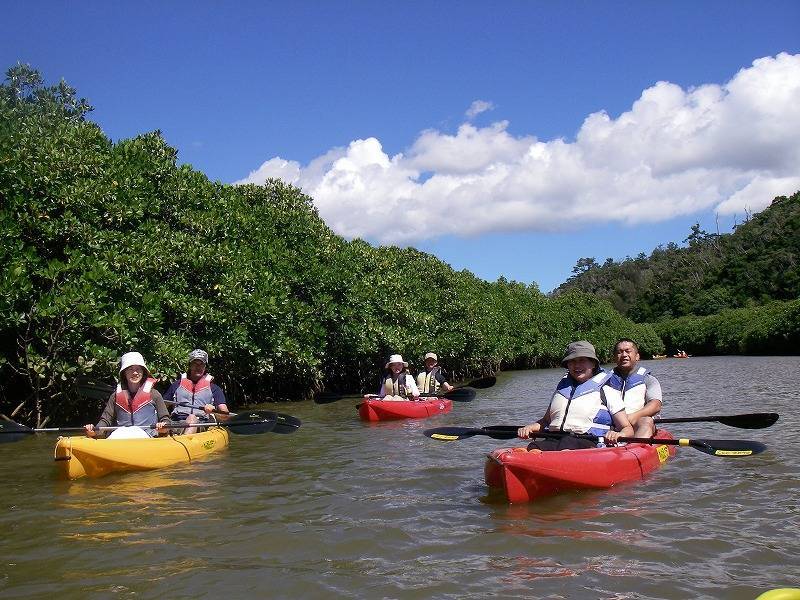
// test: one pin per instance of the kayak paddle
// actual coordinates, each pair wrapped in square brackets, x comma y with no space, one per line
[451,434]
[283,423]
[479,384]
[723,448]
[244,424]
[726,448]
[508,432]
[747,421]
[462,394]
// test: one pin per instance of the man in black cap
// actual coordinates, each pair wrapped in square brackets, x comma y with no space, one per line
[194,395]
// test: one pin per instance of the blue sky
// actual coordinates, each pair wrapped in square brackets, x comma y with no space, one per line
[572,148]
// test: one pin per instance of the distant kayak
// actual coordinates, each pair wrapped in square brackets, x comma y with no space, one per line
[80,456]
[376,409]
[526,476]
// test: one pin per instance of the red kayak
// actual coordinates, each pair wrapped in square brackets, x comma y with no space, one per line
[526,476]
[376,409]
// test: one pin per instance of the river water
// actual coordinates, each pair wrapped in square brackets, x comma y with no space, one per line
[344,509]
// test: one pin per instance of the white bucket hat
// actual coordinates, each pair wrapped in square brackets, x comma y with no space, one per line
[132,358]
[431,355]
[395,358]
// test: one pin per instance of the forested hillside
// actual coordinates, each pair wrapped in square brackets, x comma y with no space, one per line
[756,264]
[107,247]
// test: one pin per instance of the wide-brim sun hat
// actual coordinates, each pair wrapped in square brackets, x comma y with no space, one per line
[431,355]
[395,358]
[130,359]
[579,349]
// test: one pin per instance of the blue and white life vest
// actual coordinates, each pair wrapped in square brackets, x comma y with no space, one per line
[631,388]
[197,395]
[427,382]
[139,410]
[581,408]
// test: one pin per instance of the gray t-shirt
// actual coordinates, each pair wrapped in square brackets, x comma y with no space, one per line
[652,389]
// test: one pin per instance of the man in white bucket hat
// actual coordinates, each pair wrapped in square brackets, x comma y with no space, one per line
[398,384]
[432,379]
[194,394]
[135,402]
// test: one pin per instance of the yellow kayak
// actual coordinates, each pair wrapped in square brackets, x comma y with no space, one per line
[80,456]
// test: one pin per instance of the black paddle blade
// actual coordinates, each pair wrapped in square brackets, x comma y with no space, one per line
[747,421]
[501,432]
[726,448]
[451,434]
[285,423]
[13,432]
[751,421]
[458,395]
[328,397]
[482,383]
[251,423]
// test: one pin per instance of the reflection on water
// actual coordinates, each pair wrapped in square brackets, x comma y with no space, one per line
[353,510]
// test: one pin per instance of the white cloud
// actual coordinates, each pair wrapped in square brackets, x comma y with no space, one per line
[729,147]
[477,107]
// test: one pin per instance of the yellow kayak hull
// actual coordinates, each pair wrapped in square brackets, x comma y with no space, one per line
[79,456]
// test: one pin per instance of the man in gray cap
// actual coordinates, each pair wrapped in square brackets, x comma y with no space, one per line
[432,379]
[194,395]
[580,405]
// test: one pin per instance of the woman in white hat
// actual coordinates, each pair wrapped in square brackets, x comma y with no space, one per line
[194,393]
[398,384]
[582,403]
[432,379]
[135,402]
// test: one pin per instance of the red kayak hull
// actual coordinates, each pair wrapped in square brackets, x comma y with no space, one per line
[525,476]
[386,410]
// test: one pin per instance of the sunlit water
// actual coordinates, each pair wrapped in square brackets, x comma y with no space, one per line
[343,509]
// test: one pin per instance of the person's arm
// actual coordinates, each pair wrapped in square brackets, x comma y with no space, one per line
[413,387]
[162,414]
[443,382]
[218,401]
[106,419]
[525,432]
[652,400]
[616,407]
[623,427]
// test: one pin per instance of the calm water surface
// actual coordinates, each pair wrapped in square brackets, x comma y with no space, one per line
[343,509]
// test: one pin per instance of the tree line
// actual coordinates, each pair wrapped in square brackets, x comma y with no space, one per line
[107,247]
[721,293]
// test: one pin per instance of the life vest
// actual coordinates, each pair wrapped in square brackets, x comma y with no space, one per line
[631,388]
[427,382]
[139,410]
[580,408]
[398,387]
[195,394]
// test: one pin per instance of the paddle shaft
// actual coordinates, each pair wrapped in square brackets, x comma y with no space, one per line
[745,421]
[283,423]
[726,448]
[458,393]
